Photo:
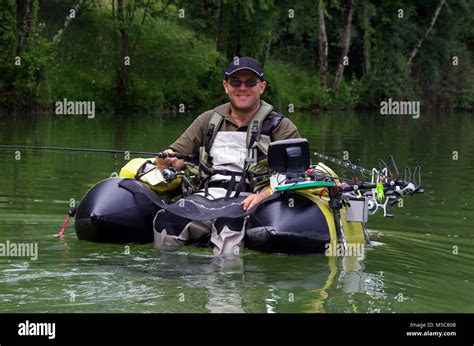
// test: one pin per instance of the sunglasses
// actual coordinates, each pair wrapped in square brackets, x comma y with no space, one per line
[235,83]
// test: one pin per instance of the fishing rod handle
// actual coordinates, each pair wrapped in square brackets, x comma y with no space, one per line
[164,155]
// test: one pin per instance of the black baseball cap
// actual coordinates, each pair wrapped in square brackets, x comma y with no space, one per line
[244,63]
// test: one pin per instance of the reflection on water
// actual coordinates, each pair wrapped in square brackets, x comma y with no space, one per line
[269,283]
[421,261]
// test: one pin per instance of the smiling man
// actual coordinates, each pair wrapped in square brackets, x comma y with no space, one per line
[231,141]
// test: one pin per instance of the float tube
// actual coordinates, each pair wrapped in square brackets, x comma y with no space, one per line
[121,210]
[109,213]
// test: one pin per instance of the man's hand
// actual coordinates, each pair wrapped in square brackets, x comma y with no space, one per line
[255,198]
[164,163]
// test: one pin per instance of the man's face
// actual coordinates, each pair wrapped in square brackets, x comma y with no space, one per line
[242,97]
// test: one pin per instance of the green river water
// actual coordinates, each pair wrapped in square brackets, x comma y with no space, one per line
[420,261]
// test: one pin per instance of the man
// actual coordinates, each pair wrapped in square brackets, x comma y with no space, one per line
[232,140]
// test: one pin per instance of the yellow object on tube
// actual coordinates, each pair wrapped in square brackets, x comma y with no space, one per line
[131,169]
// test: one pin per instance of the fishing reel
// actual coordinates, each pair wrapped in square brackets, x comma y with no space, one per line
[166,180]
[373,205]
[385,187]
[389,187]
[169,174]
[152,174]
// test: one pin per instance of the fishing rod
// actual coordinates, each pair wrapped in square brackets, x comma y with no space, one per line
[160,154]
[384,188]
[387,172]
[345,164]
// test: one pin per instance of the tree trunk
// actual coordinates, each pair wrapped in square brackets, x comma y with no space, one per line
[121,81]
[220,35]
[145,14]
[220,47]
[24,10]
[68,20]
[268,47]
[323,47]
[346,40]
[367,37]
[426,33]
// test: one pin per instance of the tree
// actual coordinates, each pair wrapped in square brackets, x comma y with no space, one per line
[8,40]
[426,33]
[24,56]
[122,55]
[124,21]
[220,43]
[245,28]
[323,46]
[67,21]
[26,13]
[346,40]
[367,12]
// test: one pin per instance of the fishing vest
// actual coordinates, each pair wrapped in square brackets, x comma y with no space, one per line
[237,159]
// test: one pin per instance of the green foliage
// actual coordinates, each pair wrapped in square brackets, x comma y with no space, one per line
[296,36]
[346,96]
[290,84]
[248,26]
[170,66]
[7,44]
[174,60]
[20,74]
[183,65]
[446,84]
[389,79]
[34,58]
[82,74]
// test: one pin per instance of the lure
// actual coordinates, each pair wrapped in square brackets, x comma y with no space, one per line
[379,191]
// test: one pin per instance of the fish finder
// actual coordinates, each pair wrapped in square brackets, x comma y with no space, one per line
[289,157]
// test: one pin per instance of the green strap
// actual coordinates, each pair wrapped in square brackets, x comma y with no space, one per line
[255,126]
[212,128]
